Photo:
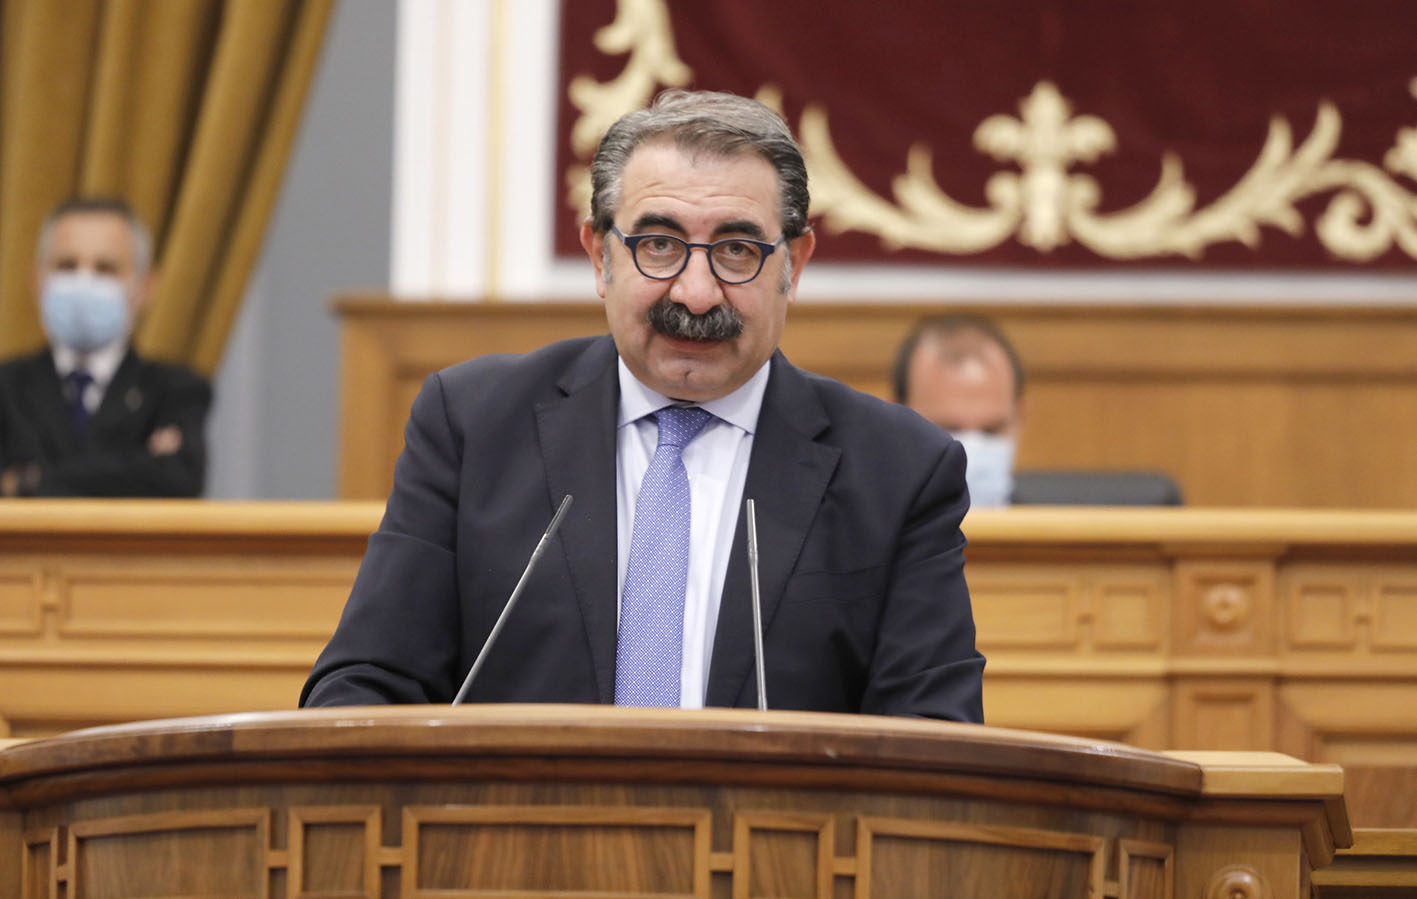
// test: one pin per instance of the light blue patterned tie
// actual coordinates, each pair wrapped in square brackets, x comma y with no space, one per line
[651,644]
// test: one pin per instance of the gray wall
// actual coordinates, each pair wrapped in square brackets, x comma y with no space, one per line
[273,427]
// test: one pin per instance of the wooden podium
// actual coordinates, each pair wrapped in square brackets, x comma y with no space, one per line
[594,802]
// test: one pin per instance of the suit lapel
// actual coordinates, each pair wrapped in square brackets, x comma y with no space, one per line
[788,473]
[577,434]
[51,409]
[121,398]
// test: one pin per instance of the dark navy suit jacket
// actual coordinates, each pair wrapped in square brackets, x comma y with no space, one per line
[859,504]
[111,458]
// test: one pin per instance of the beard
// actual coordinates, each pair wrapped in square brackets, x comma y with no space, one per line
[672,319]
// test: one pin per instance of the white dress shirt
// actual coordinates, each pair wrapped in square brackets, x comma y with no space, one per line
[101,364]
[717,464]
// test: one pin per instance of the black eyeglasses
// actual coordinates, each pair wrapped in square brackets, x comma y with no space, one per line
[733,260]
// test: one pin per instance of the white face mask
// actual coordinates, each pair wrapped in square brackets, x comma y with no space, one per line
[84,311]
[990,469]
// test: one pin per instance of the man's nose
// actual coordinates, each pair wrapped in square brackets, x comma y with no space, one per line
[696,288]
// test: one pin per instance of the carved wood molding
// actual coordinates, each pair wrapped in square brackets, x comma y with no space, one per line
[668,851]
[1237,882]
[595,802]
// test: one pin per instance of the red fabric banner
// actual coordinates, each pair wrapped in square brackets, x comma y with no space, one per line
[1214,133]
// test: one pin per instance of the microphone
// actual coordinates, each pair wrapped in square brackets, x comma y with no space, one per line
[757,607]
[512,600]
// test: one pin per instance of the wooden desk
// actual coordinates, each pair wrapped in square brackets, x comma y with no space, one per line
[1202,628]
[1381,863]
[1160,628]
[117,610]
[1276,405]
[601,801]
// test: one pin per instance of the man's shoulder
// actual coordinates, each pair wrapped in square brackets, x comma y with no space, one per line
[539,365]
[861,416]
[154,371]
[14,366]
[163,368]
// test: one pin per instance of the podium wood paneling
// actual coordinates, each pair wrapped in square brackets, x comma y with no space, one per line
[1244,406]
[1162,628]
[118,610]
[594,802]
[1211,629]
[1381,863]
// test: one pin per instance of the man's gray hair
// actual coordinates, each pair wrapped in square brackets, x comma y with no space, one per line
[142,240]
[719,124]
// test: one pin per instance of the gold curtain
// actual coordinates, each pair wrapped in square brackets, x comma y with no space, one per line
[187,108]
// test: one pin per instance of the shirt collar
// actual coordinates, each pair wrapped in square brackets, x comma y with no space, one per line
[739,408]
[101,364]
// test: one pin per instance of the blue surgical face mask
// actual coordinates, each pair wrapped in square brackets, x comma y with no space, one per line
[990,469]
[84,311]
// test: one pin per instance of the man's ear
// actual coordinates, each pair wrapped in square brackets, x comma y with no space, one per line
[802,248]
[594,245]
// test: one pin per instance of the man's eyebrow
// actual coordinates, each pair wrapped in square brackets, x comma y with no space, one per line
[656,220]
[742,226]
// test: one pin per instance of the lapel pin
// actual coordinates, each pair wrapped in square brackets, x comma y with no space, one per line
[133,399]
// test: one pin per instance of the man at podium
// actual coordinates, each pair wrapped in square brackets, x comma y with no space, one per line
[660,431]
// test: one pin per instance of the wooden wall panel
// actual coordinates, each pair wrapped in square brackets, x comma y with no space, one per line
[1244,406]
[465,849]
[120,610]
[1144,869]
[206,853]
[335,849]
[1127,705]
[1242,630]
[1162,628]
[14,855]
[783,854]
[892,854]
[1085,610]
[1237,713]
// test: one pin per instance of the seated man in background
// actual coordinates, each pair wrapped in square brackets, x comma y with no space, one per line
[961,372]
[86,416]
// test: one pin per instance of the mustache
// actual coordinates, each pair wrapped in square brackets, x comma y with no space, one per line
[672,319]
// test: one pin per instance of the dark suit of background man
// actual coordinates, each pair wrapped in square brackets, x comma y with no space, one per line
[87,416]
[859,502]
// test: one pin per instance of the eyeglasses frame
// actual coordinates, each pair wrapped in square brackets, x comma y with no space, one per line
[632,242]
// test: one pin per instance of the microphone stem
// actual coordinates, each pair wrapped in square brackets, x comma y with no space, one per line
[757,607]
[512,600]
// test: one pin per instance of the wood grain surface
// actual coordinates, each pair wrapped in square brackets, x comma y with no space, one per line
[522,801]
[1275,405]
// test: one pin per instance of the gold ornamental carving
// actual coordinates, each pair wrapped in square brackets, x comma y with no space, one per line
[1046,202]
[641,29]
